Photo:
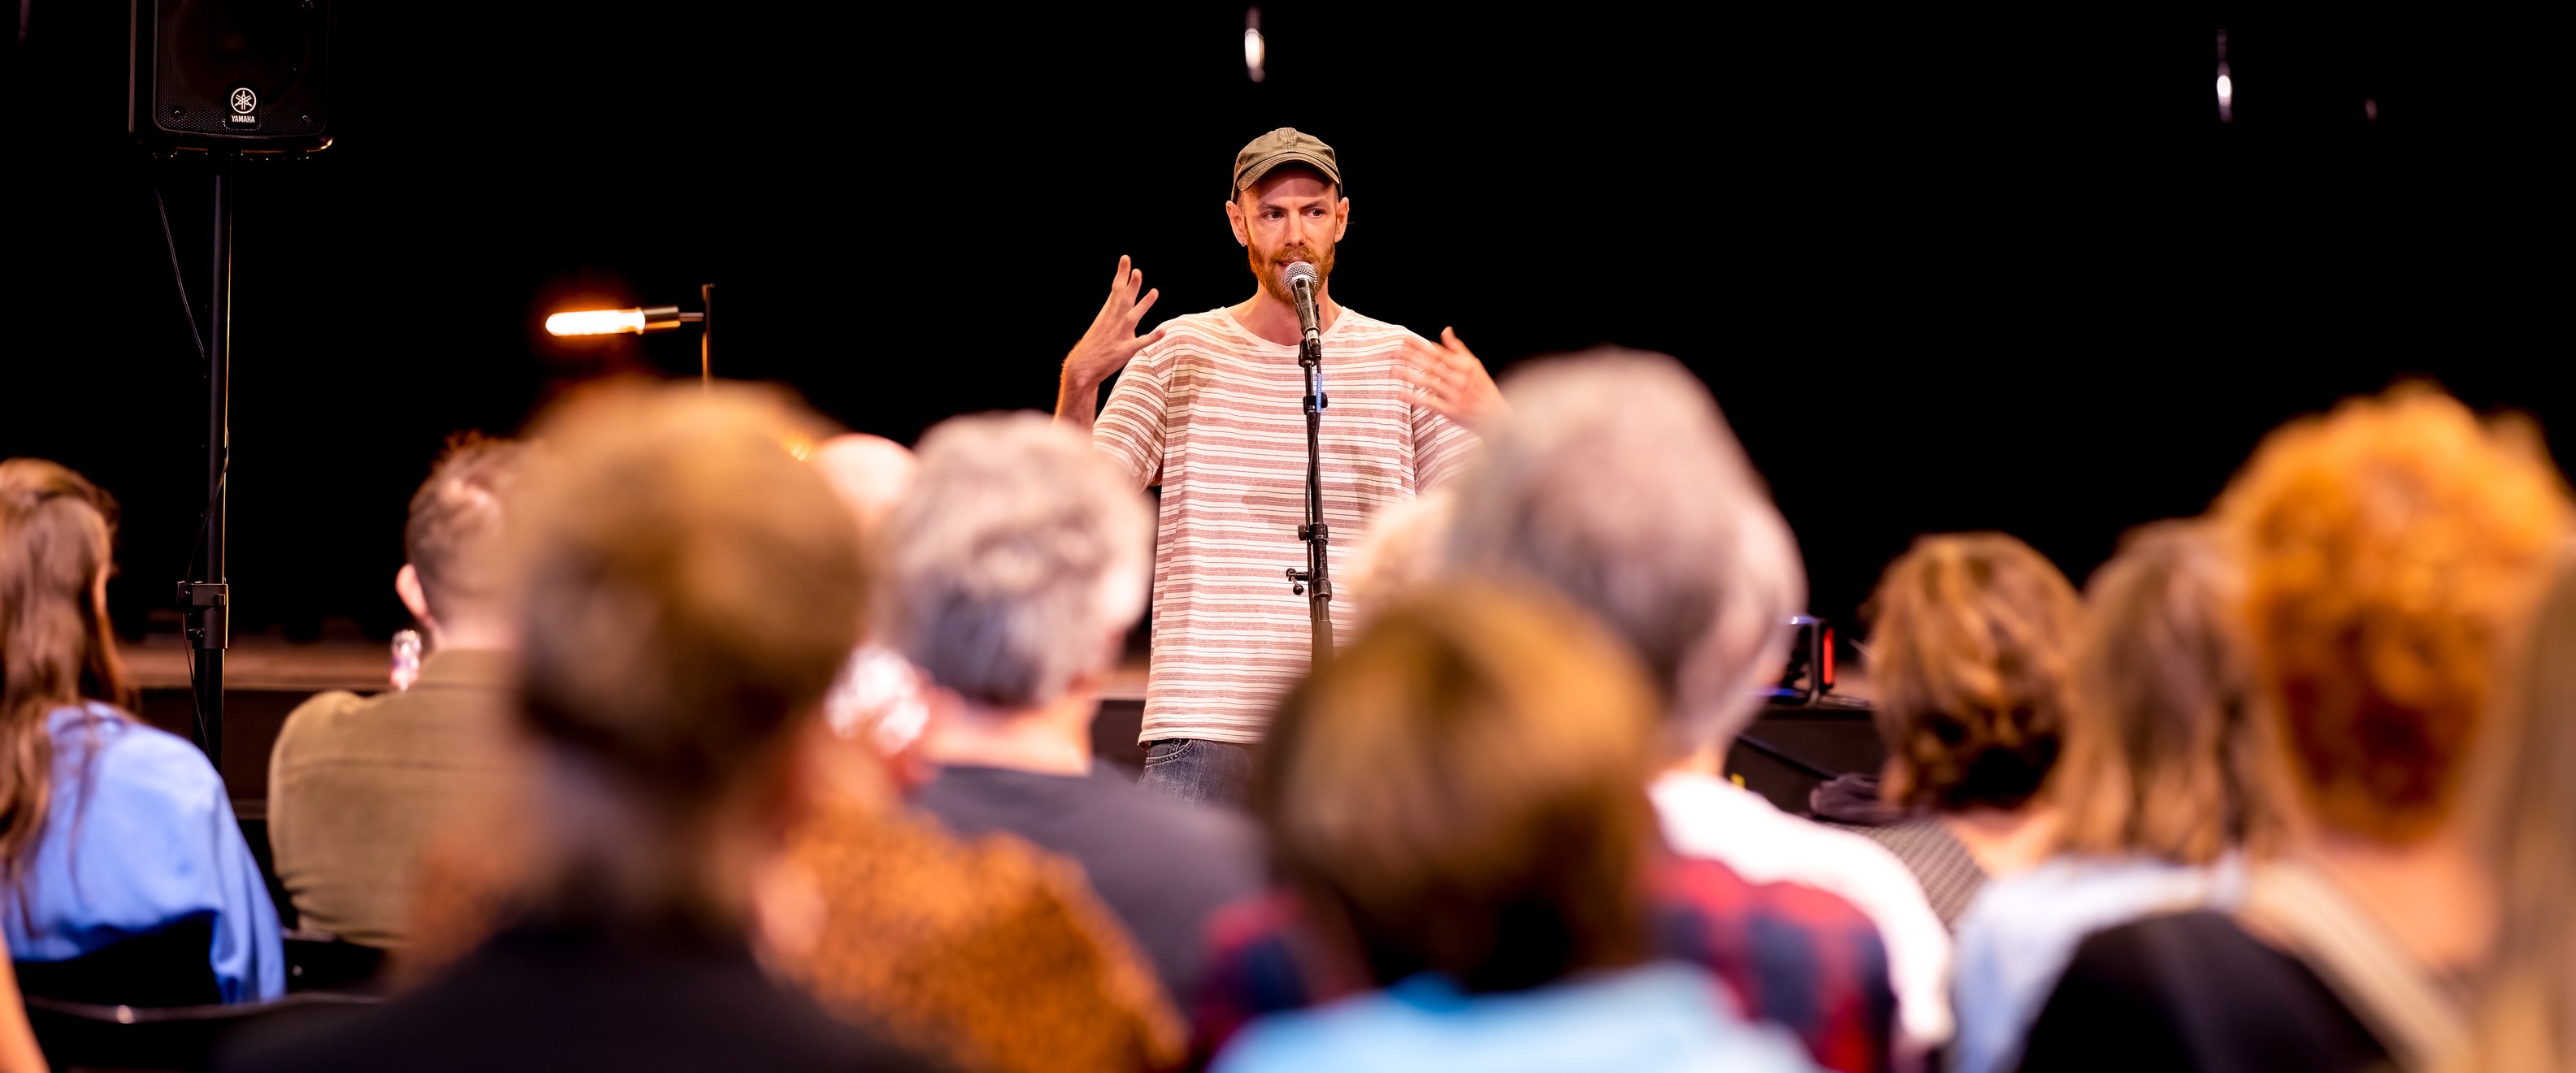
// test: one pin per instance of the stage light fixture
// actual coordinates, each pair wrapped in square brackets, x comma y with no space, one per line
[1255,50]
[2226,85]
[645,320]
[619,321]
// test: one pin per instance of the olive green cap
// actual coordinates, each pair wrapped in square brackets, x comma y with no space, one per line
[1286,145]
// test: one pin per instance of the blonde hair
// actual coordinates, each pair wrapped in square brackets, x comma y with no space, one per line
[687,591]
[2392,550]
[2528,1020]
[2163,751]
[1968,655]
[1464,786]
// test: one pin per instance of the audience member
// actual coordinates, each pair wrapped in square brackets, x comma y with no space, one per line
[990,953]
[1459,796]
[1968,658]
[356,785]
[2393,551]
[684,592]
[2526,1016]
[878,701]
[2156,787]
[112,834]
[1017,565]
[1402,549]
[18,1051]
[1617,483]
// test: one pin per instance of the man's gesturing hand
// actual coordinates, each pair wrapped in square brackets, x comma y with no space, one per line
[1105,347]
[1449,377]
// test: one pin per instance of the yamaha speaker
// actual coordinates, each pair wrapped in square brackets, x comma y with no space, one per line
[231,75]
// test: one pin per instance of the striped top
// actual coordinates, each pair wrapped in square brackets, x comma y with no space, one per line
[1213,414]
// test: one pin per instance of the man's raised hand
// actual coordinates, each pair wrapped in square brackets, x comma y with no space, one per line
[1447,376]
[1106,346]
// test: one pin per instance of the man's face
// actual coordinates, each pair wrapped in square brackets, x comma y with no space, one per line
[1292,214]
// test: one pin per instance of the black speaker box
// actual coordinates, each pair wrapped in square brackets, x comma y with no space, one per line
[231,75]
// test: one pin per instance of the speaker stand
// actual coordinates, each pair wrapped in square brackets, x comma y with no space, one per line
[208,597]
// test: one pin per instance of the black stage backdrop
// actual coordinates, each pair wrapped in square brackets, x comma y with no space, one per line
[1942,275]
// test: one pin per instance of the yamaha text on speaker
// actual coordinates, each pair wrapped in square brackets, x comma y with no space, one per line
[231,75]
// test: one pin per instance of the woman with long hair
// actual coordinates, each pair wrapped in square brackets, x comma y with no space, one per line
[2158,786]
[111,832]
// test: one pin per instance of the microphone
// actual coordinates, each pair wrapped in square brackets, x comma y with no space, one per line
[1302,281]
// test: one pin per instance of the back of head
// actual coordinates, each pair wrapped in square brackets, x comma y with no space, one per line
[1017,560]
[2163,751]
[2528,1023]
[452,534]
[1464,785]
[57,536]
[2392,549]
[1617,483]
[687,591]
[1968,654]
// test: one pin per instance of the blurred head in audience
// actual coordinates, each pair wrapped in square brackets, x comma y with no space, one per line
[1403,550]
[57,542]
[2393,551]
[870,473]
[877,703]
[1017,565]
[2528,1023]
[1463,790]
[451,575]
[687,592]
[1968,654]
[1617,484]
[2163,751]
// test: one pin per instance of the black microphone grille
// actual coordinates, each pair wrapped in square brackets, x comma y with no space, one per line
[1298,270]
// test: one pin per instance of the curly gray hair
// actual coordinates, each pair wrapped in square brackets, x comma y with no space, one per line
[1617,482]
[1015,559]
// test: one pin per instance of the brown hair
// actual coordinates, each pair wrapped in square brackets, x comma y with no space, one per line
[1968,654]
[2528,1020]
[449,537]
[2392,549]
[2163,751]
[688,593]
[1464,788]
[57,541]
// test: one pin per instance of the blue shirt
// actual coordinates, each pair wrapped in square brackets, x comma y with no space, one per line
[139,834]
[2016,938]
[1660,1018]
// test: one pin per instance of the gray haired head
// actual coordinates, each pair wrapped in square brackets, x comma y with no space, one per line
[1016,560]
[1617,482]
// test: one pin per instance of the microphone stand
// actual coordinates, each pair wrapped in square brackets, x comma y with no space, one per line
[1315,583]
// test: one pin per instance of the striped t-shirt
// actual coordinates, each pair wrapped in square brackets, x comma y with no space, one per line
[1214,414]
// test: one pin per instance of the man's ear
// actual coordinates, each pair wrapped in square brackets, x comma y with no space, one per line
[1234,219]
[407,586]
[1341,219]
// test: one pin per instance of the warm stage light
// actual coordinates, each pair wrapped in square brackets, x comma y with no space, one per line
[614,321]
[1255,50]
[596,322]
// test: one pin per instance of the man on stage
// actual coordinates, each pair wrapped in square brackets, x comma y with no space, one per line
[1209,407]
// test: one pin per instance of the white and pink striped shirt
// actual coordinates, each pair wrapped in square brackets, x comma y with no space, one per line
[1213,414]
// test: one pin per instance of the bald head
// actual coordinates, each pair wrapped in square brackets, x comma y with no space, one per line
[870,473]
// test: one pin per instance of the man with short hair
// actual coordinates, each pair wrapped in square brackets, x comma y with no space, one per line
[356,785]
[1208,407]
[1018,564]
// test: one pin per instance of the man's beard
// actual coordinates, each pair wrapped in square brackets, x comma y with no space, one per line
[1273,273]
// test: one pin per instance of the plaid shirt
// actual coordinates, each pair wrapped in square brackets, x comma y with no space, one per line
[1792,955]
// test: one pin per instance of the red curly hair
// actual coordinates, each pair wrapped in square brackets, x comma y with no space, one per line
[2393,549]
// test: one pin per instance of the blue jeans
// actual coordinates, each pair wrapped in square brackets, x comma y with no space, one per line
[1199,771]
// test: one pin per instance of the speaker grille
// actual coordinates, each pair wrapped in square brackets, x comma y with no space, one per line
[206,50]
